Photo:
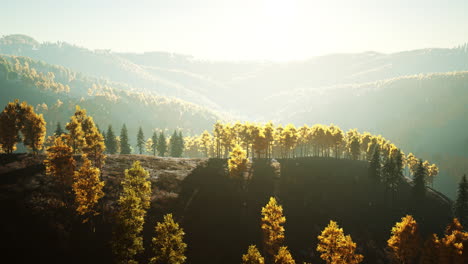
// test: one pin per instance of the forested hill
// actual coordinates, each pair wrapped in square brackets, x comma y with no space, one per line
[56,90]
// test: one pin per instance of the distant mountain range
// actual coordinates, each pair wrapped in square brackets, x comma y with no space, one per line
[416,98]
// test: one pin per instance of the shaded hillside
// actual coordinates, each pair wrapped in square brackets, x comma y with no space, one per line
[220,215]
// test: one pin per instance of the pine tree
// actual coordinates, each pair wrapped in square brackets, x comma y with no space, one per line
[335,247]
[180,144]
[405,242]
[111,142]
[168,243]
[284,256]
[461,204]
[58,130]
[162,144]
[252,256]
[124,145]
[237,162]
[419,188]
[88,189]
[140,140]
[173,144]
[133,203]
[272,227]
[9,127]
[154,146]
[375,167]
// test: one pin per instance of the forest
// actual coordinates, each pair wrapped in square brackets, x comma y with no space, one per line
[252,170]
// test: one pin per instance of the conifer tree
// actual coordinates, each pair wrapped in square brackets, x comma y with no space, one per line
[284,256]
[162,144]
[252,256]
[355,148]
[173,144]
[419,188]
[58,130]
[375,167]
[461,204]
[124,145]
[154,144]
[9,127]
[405,242]
[272,227]
[168,244]
[336,248]
[88,189]
[140,140]
[133,203]
[111,142]
[237,162]
[180,144]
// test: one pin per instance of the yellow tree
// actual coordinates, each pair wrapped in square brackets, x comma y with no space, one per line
[272,227]
[432,172]
[218,129]
[405,242]
[252,256]
[168,244]
[302,139]
[33,127]
[94,145]
[9,127]
[269,132]
[431,251]
[412,163]
[60,163]
[205,141]
[237,162]
[335,247]
[452,245]
[337,139]
[284,256]
[88,189]
[76,134]
[288,139]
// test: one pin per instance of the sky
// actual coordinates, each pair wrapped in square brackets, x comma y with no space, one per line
[277,30]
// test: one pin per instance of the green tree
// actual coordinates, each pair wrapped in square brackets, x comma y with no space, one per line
[173,144]
[162,144]
[124,145]
[111,141]
[461,204]
[375,166]
[154,144]
[252,256]
[419,187]
[168,244]
[180,144]
[133,203]
[58,130]
[140,140]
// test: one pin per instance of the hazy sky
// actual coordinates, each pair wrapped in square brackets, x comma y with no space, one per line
[241,29]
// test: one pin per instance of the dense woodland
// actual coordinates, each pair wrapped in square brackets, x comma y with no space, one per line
[242,146]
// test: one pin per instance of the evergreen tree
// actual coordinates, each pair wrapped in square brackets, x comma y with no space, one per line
[162,145]
[419,187]
[133,203]
[335,247]
[111,141]
[180,144]
[375,167]
[140,140]
[124,145]
[173,144]
[272,227]
[461,204]
[168,243]
[405,242]
[58,130]
[252,256]
[88,189]
[154,145]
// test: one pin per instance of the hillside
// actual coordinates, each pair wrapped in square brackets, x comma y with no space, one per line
[218,215]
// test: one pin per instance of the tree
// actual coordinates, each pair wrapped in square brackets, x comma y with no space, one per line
[284,256]
[405,242]
[375,167]
[76,134]
[124,145]
[168,243]
[180,144]
[252,256]
[154,144]
[58,130]
[272,227]
[205,140]
[461,204]
[133,202]
[111,142]
[9,127]
[431,251]
[237,162]
[419,187]
[140,140]
[174,145]
[335,247]
[452,245]
[162,144]
[60,164]
[88,189]
[94,142]
[33,128]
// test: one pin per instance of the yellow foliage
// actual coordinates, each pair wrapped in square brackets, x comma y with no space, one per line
[272,226]
[237,162]
[252,256]
[284,256]
[405,242]
[168,243]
